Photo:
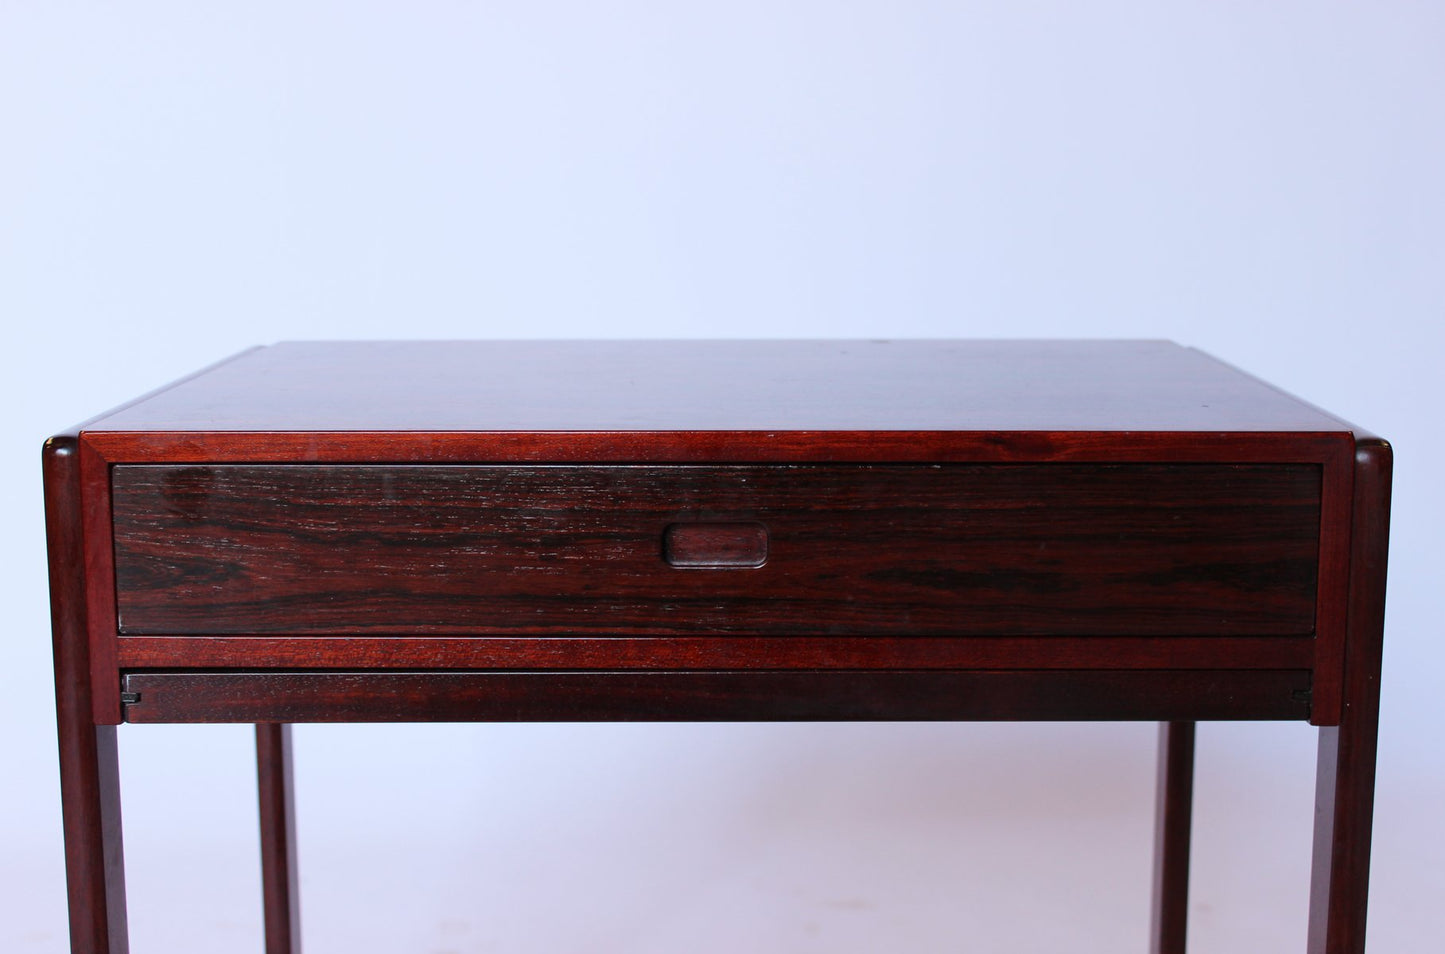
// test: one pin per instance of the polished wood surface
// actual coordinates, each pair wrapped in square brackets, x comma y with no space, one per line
[752,696]
[280,886]
[762,386]
[1345,777]
[717,652]
[715,544]
[1331,448]
[725,403]
[1061,550]
[89,767]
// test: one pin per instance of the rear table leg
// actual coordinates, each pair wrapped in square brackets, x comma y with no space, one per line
[278,839]
[1172,812]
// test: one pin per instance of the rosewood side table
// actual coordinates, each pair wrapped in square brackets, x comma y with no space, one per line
[947,530]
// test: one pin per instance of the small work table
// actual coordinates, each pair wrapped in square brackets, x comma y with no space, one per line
[725,530]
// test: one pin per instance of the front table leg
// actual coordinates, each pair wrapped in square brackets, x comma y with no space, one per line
[1345,779]
[89,768]
[1172,811]
[279,887]
[1344,801]
[94,862]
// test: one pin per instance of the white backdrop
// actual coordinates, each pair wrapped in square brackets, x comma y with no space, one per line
[179,181]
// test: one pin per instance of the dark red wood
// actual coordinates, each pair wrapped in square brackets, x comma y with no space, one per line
[1240,577]
[99,559]
[1336,505]
[762,696]
[94,477]
[280,886]
[1173,808]
[676,402]
[1345,784]
[89,772]
[717,652]
[856,550]
[720,447]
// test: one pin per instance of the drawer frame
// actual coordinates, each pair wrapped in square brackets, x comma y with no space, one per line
[111,656]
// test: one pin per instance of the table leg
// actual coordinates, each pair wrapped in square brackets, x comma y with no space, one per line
[1345,779]
[279,889]
[94,860]
[89,766]
[1172,810]
[1344,802]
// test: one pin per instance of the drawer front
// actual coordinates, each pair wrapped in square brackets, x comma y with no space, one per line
[1050,549]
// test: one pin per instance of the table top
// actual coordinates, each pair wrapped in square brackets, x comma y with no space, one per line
[725,385]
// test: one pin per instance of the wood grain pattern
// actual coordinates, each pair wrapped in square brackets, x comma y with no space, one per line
[1020,550]
[713,696]
[94,503]
[717,652]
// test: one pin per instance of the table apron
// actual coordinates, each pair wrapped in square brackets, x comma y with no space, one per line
[715,696]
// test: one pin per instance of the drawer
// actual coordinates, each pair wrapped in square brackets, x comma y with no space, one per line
[1049,549]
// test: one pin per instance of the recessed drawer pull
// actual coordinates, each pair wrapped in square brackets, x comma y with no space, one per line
[715,545]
